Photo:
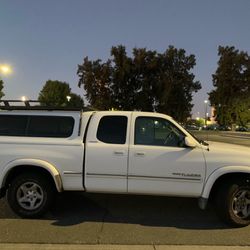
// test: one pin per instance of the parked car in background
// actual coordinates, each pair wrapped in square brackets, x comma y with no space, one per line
[192,127]
[211,127]
[242,129]
[224,128]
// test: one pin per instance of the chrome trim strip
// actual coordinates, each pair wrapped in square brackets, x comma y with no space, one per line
[142,176]
[163,177]
[106,175]
[71,173]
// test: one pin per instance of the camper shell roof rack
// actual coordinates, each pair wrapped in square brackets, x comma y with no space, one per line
[35,105]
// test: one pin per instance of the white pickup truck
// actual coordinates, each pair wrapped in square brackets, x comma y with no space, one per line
[43,152]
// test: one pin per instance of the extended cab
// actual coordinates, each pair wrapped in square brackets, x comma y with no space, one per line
[47,151]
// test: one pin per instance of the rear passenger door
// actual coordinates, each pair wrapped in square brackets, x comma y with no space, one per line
[106,164]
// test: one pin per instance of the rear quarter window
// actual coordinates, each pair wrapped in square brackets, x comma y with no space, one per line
[112,129]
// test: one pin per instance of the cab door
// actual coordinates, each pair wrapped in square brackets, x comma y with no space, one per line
[160,163]
[106,163]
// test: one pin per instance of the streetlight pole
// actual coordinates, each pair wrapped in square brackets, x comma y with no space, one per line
[205,103]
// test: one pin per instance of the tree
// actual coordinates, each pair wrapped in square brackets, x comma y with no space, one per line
[231,96]
[146,81]
[96,78]
[241,110]
[1,89]
[75,101]
[177,83]
[58,94]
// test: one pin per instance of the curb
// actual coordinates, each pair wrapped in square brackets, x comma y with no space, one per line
[11,246]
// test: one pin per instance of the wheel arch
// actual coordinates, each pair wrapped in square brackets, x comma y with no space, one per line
[223,174]
[20,166]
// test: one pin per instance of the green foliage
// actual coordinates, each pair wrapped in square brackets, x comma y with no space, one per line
[241,110]
[97,82]
[55,93]
[1,89]
[200,122]
[147,81]
[75,101]
[231,96]
[177,83]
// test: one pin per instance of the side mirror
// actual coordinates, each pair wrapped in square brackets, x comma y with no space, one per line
[189,142]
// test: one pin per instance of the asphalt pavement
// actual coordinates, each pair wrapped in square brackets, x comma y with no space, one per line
[239,138]
[122,219]
[113,247]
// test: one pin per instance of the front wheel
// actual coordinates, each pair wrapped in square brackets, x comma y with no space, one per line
[30,195]
[233,203]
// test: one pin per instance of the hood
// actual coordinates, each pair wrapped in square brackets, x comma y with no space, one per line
[225,154]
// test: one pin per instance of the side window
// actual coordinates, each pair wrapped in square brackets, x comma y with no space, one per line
[50,126]
[11,125]
[157,132]
[112,129]
[36,126]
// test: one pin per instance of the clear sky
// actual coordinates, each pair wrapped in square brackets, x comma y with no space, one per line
[47,39]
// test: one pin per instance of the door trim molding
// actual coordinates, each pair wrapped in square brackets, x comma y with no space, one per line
[163,177]
[105,175]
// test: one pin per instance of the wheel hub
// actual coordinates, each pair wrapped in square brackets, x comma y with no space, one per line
[30,195]
[241,204]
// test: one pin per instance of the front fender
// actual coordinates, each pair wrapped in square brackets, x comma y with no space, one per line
[220,172]
[36,163]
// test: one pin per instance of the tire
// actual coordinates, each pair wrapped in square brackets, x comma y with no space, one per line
[233,203]
[30,195]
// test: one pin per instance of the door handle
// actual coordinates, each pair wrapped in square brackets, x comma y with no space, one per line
[119,152]
[93,141]
[140,153]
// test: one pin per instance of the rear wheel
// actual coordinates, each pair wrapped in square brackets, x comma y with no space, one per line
[30,195]
[233,203]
